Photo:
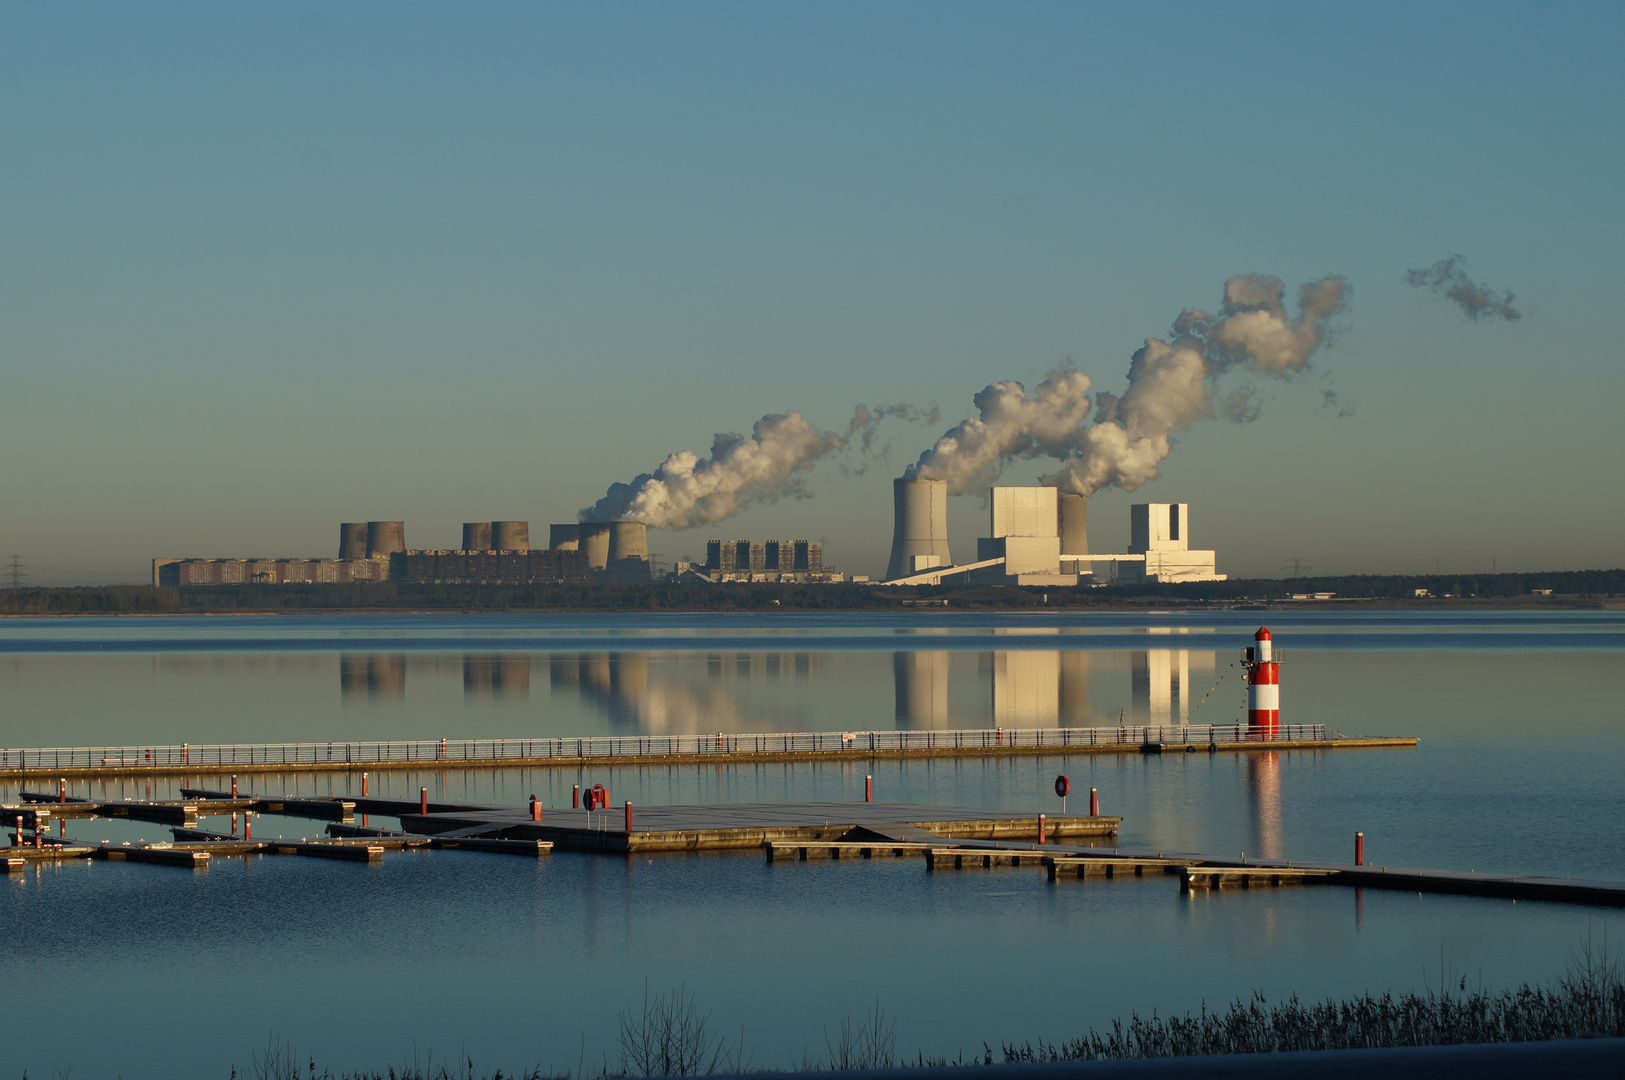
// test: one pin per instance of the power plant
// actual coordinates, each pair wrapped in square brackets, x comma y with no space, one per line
[1036,536]
[1039,536]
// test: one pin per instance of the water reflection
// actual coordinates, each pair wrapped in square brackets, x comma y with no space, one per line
[372,676]
[1264,803]
[1160,683]
[661,697]
[496,676]
[921,681]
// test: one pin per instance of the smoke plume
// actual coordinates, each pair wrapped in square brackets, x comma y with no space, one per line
[1171,385]
[1447,279]
[687,490]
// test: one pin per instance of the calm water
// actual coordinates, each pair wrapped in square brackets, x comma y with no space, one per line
[523,962]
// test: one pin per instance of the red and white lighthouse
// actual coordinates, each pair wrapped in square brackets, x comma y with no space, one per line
[1263,688]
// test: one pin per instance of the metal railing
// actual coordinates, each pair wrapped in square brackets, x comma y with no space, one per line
[480,751]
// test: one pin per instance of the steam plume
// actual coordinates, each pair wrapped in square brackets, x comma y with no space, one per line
[1447,279]
[1011,423]
[687,490]
[1171,385]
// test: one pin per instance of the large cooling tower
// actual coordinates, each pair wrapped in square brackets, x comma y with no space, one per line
[385,537]
[353,540]
[510,535]
[1074,524]
[476,536]
[595,542]
[628,540]
[922,525]
[564,537]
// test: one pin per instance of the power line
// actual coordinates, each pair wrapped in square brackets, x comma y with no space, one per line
[14,570]
[1297,566]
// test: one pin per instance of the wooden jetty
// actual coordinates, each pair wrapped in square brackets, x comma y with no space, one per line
[745,825]
[624,750]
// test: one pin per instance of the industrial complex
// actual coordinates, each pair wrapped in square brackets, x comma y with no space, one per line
[1036,536]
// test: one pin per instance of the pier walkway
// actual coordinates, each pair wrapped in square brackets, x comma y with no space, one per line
[188,759]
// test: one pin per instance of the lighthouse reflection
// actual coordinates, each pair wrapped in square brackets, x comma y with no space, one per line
[1264,802]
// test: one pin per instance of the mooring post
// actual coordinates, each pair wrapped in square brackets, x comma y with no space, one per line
[423,800]
[629,819]
[1094,803]
[575,797]
[248,827]
[62,790]
[1040,828]
[869,788]
[1359,849]
[535,809]
[363,783]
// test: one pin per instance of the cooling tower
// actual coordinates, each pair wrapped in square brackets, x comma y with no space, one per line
[595,542]
[385,537]
[476,536]
[353,540]
[510,535]
[1074,524]
[564,537]
[922,525]
[628,540]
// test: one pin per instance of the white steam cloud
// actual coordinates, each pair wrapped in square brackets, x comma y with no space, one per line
[687,490]
[1171,385]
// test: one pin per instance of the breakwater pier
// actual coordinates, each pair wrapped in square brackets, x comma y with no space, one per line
[198,759]
[1064,849]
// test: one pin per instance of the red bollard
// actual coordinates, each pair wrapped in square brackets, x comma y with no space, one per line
[248,827]
[603,798]
[1359,849]
[62,790]
[1040,828]
[868,789]
[233,785]
[423,800]
[575,797]
[629,819]
[363,783]
[535,809]
[1094,803]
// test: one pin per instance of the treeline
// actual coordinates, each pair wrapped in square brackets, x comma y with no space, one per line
[1566,587]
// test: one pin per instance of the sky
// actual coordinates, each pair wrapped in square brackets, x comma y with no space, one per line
[270,267]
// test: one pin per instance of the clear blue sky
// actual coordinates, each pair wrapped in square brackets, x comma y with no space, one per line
[271,267]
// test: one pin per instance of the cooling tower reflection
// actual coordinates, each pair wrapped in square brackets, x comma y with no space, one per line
[372,677]
[496,676]
[658,700]
[922,689]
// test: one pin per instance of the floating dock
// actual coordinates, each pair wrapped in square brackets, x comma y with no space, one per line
[724,748]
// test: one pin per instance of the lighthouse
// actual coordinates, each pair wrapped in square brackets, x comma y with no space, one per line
[1263,687]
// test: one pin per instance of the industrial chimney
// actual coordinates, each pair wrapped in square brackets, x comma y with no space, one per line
[510,535]
[385,538]
[920,536]
[476,536]
[353,541]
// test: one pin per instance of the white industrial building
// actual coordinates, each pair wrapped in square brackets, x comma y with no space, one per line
[1039,536]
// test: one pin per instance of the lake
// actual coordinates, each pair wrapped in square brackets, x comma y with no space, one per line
[518,962]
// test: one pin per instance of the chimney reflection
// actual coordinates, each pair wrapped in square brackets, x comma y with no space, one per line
[622,685]
[374,677]
[1264,800]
